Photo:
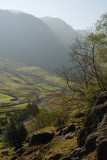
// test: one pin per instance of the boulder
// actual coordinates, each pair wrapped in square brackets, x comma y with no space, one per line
[39,138]
[81,137]
[90,143]
[56,157]
[101,110]
[65,130]
[78,153]
[102,140]
[89,127]
[69,135]
[68,129]
[102,98]
[59,131]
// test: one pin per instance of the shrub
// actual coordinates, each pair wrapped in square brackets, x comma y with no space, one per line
[55,118]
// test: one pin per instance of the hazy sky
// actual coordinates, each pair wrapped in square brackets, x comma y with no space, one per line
[80,14]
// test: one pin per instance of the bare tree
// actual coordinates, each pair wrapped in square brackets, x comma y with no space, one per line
[85,69]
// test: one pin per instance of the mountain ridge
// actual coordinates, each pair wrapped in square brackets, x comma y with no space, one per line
[29,40]
[63,31]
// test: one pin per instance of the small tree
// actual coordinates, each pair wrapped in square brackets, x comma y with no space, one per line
[14,134]
[32,109]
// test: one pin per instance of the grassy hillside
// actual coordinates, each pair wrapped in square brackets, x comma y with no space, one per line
[18,82]
[21,79]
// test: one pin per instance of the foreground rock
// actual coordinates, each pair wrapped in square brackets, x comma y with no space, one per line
[101,146]
[93,135]
[39,138]
[93,120]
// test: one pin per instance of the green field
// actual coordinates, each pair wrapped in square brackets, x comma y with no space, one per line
[13,108]
[19,81]
[5,98]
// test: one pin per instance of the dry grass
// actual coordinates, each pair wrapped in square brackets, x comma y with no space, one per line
[90,156]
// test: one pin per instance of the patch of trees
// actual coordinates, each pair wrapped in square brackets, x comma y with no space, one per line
[3,122]
[55,118]
[30,110]
[19,116]
[87,75]
[14,134]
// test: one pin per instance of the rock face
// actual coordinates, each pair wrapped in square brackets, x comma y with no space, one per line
[41,138]
[93,135]
[90,143]
[101,145]
[93,120]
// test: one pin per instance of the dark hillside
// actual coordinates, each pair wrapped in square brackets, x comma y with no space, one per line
[34,41]
[27,39]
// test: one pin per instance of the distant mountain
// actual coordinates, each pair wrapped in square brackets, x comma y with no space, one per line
[33,41]
[14,11]
[64,32]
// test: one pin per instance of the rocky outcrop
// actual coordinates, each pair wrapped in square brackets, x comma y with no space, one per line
[101,143]
[39,138]
[93,119]
[93,135]
[102,98]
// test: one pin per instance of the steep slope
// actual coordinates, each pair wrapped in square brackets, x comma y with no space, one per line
[28,39]
[64,32]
